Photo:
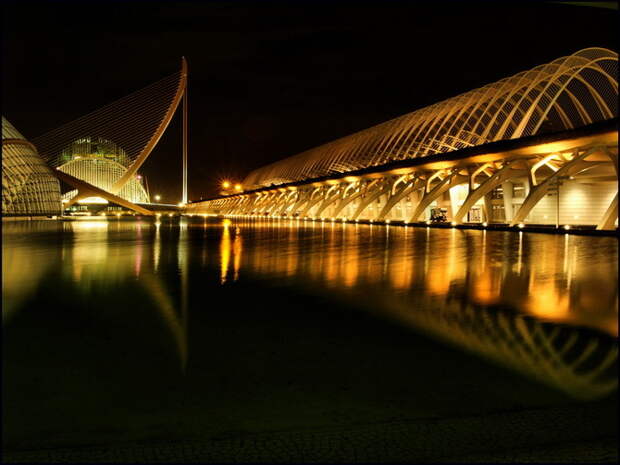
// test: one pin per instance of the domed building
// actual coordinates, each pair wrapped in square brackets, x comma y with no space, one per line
[29,187]
[100,162]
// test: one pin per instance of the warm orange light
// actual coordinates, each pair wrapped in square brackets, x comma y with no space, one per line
[238,187]
[225,184]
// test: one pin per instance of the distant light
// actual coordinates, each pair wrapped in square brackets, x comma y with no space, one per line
[453,223]
[138,176]
[180,204]
[387,221]
[485,224]
[521,225]
[157,198]
[65,201]
[225,184]
[238,187]
[428,222]
[118,215]
[567,227]
[170,214]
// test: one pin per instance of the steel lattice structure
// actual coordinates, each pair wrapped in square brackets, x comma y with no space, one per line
[128,129]
[29,187]
[569,92]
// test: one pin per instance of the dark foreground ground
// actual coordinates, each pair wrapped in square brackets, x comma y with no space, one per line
[268,375]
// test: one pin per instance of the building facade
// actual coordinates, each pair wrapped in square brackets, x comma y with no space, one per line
[540,147]
[29,187]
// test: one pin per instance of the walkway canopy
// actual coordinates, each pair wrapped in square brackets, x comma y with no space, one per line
[567,93]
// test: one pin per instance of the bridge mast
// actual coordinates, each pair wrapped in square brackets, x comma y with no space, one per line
[184,197]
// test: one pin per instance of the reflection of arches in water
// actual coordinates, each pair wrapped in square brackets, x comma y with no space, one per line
[444,284]
[21,274]
[578,362]
[96,258]
[89,257]
[230,249]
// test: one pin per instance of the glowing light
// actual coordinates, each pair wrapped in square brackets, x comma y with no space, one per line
[238,187]
[453,223]
[567,227]
[226,184]
[521,225]
[118,215]
[485,224]
[157,198]
[387,221]
[428,222]
[93,200]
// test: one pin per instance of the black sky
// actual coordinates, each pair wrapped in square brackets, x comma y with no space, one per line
[271,79]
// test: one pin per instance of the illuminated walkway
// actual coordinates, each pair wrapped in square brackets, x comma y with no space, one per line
[538,148]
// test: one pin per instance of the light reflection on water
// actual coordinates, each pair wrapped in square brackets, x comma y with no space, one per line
[522,300]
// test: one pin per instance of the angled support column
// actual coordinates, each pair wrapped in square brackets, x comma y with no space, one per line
[497,178]
[329,200]
[285,203]
[371,198]
[611,215]
[538,191]
[406,189]
[88,190]
[315,198]
[451,180]
[303,197]
[347,200]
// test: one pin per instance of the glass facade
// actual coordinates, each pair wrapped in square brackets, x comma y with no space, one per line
[29,187]
[101,162]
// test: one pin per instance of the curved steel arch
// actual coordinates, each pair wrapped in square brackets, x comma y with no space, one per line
[567,93]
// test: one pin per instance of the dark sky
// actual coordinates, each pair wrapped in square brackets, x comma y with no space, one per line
[271,79]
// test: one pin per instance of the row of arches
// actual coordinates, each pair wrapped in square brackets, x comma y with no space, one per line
[506,190]
[567,93]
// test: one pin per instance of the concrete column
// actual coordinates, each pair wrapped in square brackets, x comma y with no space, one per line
[454,205]
[507,188]
[487,209]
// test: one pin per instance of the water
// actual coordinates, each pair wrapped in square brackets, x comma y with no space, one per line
[133,330]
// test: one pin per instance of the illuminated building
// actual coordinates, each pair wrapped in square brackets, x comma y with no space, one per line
[539,147]
[102,163]
[29,187]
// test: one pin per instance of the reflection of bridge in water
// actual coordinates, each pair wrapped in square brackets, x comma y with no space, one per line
[92,260]
[540,147]
[526,312]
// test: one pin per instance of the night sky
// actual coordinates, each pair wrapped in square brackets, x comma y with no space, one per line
[268,80]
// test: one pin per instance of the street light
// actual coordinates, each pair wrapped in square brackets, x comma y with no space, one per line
[225,184]
[238,187]
[157,198]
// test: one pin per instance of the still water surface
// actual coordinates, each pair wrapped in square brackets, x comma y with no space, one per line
[124,329]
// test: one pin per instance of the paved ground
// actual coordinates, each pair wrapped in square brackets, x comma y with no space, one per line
[267,383]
